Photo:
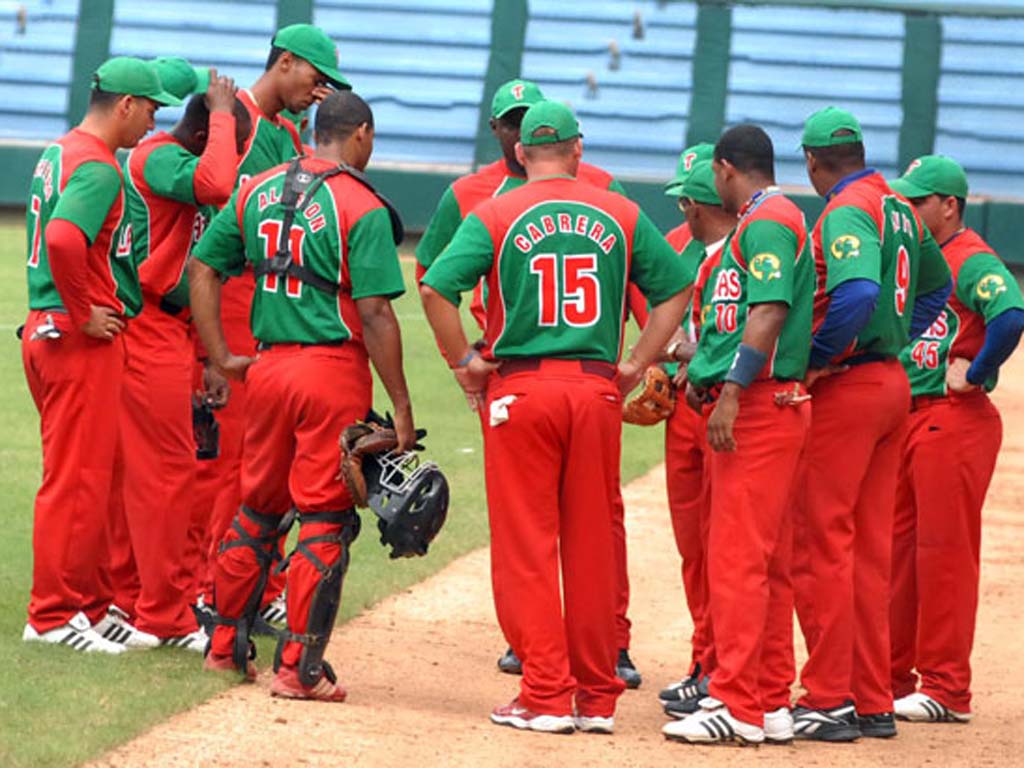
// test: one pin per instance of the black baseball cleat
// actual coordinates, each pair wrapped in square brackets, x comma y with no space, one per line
[625,670]
[834,725]
[510,664]
[686,688]
[880,726]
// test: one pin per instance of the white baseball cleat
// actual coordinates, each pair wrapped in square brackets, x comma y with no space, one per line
[115,626]
[922,708]
[778,726]
[594,724]
[77,634]
[517,716]
[713,724]
[193,641]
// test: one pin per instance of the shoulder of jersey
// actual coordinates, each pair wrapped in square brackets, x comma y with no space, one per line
[594,175]
[487,177]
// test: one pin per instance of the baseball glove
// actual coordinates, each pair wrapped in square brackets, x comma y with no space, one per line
[364,438]
[655,402]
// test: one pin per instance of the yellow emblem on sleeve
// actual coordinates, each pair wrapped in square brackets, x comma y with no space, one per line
[990,286]
[845,247]
[766,267]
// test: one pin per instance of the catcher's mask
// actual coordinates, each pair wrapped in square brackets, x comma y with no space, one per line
[409,497]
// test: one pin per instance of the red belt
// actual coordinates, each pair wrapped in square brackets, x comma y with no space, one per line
[600,368]
[923,401]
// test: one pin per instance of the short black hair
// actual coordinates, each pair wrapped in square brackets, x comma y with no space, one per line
[275,54]
[101,99]
[339,114]
[197,114]
[748,148]
[961,204]
[839,157]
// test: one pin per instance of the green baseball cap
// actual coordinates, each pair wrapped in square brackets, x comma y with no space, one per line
[687,160]
[932,175]
[821,127]
[312,44]
[181,78]
[699,184]
[515,94]
[133,77]
[548,114]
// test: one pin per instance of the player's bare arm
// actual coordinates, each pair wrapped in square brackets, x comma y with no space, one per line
[662,324]
[204,291]
[764,324]
[383,339]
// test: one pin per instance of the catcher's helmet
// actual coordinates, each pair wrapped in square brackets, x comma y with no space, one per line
[410,498]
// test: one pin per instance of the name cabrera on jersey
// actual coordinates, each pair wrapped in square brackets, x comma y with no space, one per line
[983,289]
[343,235]
[77,179]
[558,254]
[765,259]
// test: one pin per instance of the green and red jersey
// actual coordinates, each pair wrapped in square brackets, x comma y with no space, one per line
[766,258]
[558,255]
[164,189]
[343,235]
[867,231]
[983,288]
[77,179]
[272,140]
[700,302]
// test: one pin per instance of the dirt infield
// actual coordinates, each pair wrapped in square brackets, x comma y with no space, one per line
[421,675]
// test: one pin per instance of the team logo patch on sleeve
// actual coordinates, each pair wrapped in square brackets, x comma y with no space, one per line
[845,247]
[766,267]
[990,286]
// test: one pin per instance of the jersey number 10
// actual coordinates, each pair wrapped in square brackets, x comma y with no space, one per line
[571,295]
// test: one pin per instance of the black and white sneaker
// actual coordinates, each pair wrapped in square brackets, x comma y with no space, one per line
[509,663]
[625,670]
[713,724]
[115,627]
[922,708]
[687,688]
[880,726]
[77,634]
[681,708]
[838,724]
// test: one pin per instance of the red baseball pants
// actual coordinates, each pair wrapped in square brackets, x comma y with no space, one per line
[75,382]
[552,472]
[858,425]
[301,398]
[159,470]
[749,550]
[948,461]
[685,449]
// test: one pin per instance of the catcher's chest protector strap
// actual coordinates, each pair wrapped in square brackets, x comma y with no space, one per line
[300,187]
[323,608]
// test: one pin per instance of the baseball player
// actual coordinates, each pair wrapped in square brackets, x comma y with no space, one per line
[751,356]
[82,288]
[684,433]
[952,442]
[168,176]
[510,102]
[560,253]
[302,225]
[302,63]
[881,276]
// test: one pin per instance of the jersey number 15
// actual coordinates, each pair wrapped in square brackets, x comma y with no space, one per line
[570,295]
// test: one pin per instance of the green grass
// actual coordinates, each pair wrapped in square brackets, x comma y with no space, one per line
[58,707]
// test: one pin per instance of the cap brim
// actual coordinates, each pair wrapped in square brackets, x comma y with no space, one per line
[909,190]
[335,77]
[165,99]
[674,188]
[202,79]
[510,108]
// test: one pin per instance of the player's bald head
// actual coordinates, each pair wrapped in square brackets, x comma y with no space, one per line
[339,115]
[748,149]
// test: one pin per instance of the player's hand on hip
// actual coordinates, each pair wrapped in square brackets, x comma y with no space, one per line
[103,323]
[694,399]
[815,374]
[956,375]
[235,366]
[722,418]
[473,378]
[220,95]
[629,376]
[216,389]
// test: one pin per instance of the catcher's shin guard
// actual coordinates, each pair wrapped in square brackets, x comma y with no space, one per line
[264,547]
[326,599]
